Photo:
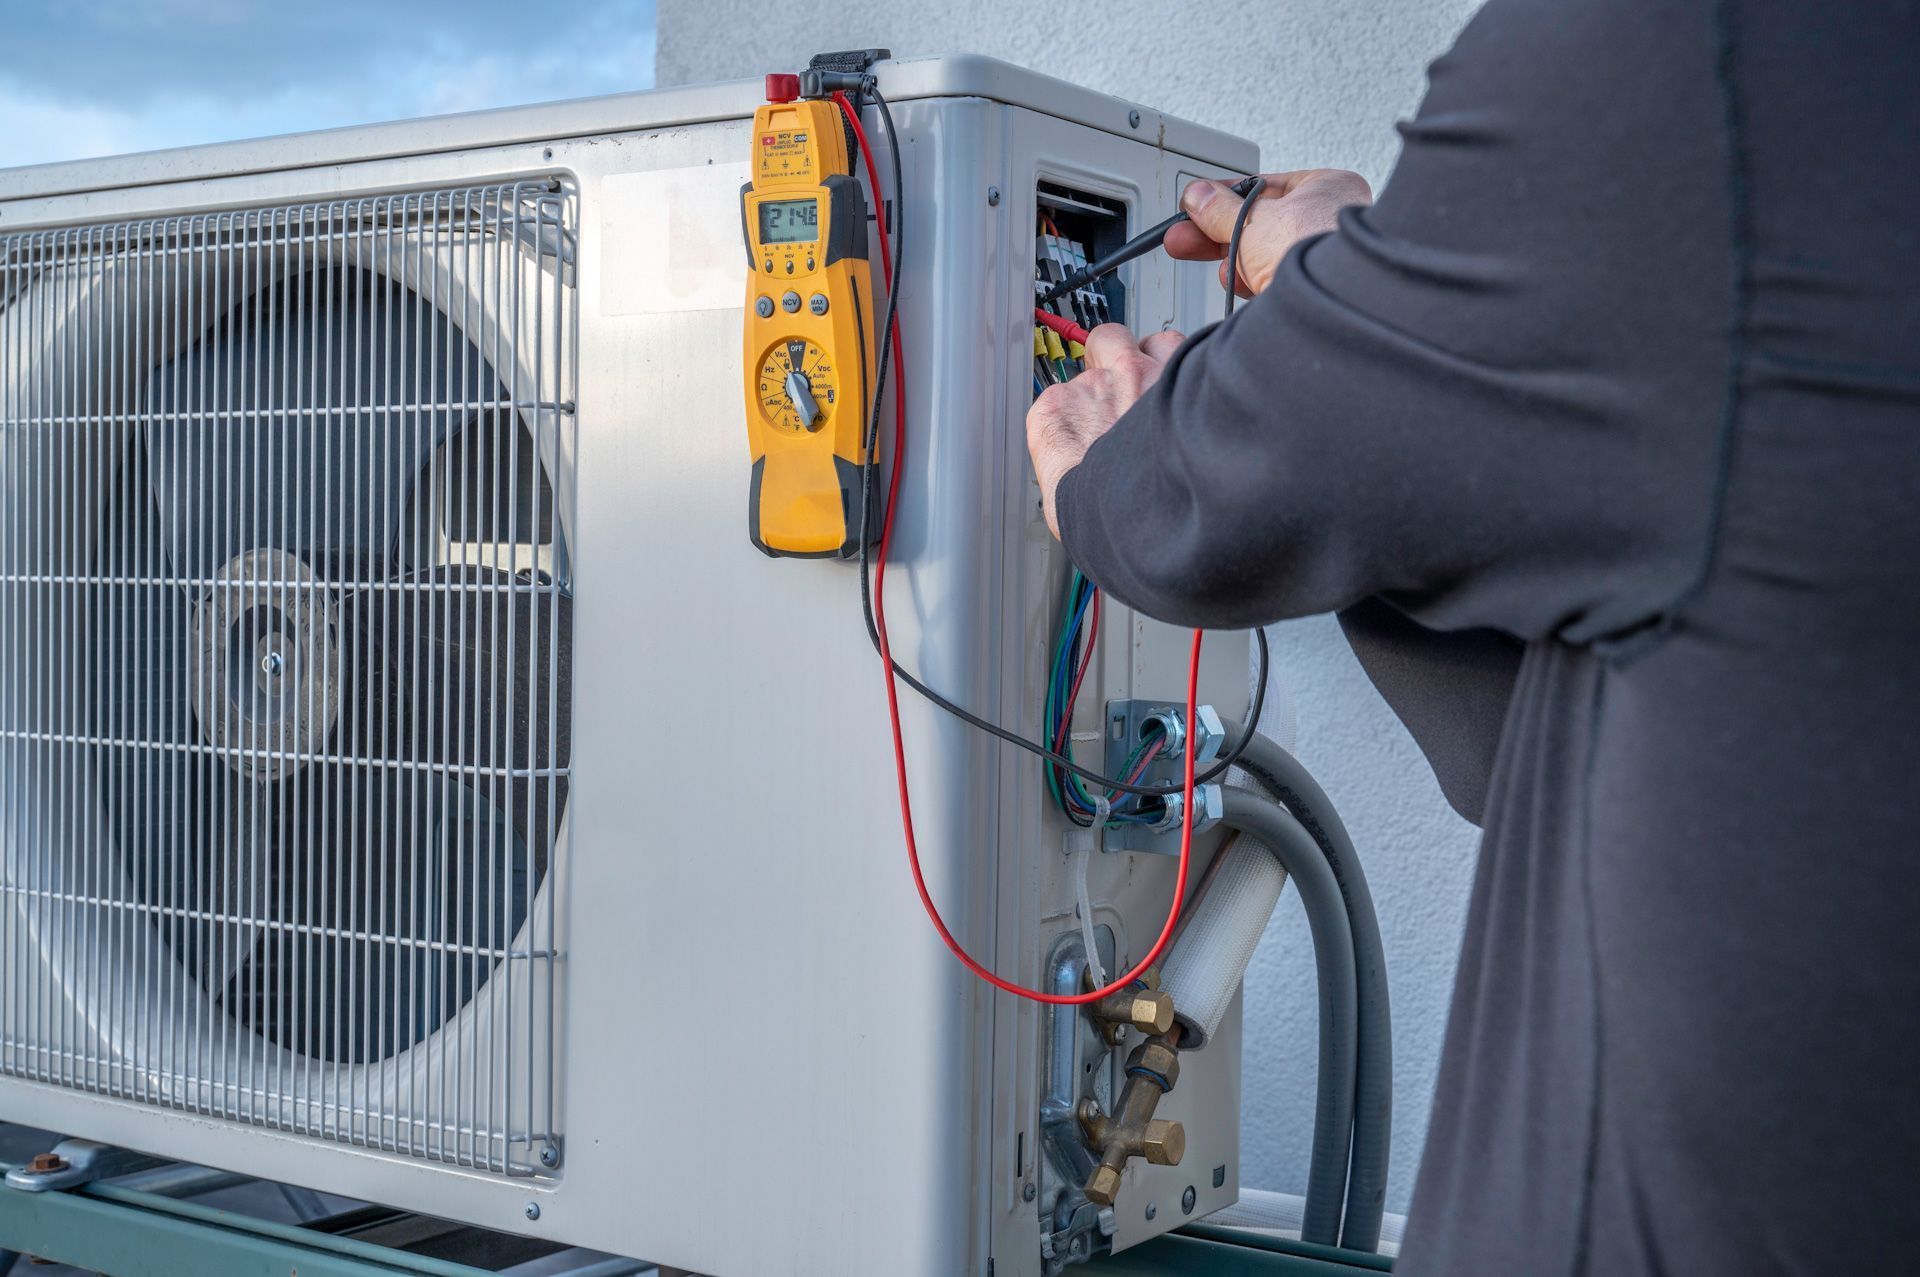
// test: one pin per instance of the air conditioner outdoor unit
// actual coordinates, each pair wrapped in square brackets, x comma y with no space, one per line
[415,786]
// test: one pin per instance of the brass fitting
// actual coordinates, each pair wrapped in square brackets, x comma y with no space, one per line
[1103,1185]
[1150,1013]
[1164,1143]
[1133,1131]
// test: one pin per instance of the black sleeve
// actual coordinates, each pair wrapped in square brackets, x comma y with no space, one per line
[1451,690]
[1493,398]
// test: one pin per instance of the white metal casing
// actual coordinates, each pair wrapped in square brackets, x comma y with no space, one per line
[765,1061]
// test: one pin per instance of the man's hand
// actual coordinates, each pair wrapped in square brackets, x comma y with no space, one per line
[1066,419]
[1292,207]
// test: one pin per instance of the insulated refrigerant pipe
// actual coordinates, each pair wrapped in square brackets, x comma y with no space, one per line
[1263,820]
[1218,936]
[1280,774]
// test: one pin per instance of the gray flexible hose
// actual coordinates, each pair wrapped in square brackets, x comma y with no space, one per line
[1280,774]
[1271,824]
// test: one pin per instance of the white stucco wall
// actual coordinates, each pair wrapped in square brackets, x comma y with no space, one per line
[1314,82]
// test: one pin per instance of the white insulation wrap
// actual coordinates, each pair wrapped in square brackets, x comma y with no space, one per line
[1219,937]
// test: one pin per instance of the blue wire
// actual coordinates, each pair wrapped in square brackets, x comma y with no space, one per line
[1062,663]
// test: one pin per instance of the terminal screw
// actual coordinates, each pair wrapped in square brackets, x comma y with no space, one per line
[993,197]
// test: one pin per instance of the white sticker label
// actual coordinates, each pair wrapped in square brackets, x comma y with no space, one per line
[670,240]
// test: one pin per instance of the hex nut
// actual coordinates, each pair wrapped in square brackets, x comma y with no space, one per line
[1164,1142]
[47,1163]
[1092,1117]
[1103,1185]
[1157,1057]
[1151,1013]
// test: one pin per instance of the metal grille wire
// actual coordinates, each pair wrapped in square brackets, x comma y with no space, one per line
[285,632]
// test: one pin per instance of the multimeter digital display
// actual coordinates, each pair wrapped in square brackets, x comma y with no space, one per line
[808,334]
[789,221]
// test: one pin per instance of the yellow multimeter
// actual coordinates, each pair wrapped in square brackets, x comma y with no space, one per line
[809,341]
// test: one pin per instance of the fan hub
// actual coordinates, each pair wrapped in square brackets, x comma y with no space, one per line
[266,676]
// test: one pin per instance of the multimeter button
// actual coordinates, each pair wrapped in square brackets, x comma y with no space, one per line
[791,302]
[769,265]
[817,303]
[763,306]
[809,263]
[789,266]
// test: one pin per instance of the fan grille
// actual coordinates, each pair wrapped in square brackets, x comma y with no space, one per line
[285,638]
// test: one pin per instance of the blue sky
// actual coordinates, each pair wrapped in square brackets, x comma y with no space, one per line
[99,77]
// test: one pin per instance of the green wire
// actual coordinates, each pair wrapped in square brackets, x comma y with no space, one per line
[1051,727]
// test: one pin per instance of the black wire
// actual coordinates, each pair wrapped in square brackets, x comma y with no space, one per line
[1254,188]
[1220,765]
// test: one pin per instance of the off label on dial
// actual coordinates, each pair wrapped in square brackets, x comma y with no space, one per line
[775,387]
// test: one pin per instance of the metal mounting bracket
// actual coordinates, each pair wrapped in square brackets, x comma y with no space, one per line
[1128,722]
[72,1163]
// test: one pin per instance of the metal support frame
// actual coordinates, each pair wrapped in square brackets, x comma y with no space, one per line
[1201,1250]
[127,1233]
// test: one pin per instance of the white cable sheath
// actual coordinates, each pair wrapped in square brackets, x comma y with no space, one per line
[1218,938]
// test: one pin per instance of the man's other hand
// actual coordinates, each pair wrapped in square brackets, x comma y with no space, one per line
[1292,207]
[1066,418]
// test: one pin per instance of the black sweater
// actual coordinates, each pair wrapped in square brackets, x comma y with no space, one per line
[1604,426]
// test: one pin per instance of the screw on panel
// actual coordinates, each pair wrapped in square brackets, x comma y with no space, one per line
[1152,1210]
[1133,119]
[1187,1199]
[533,1210]
[993,197]
[1028,1192]
[550,1157]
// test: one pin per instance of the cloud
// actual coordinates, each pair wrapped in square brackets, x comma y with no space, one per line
[93,77]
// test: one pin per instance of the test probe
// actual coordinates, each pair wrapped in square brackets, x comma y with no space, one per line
[1139,246]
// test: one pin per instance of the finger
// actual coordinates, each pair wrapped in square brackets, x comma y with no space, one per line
[1190,244]
[1160,346]
[1109,344]
[1241,288]
[1212,206]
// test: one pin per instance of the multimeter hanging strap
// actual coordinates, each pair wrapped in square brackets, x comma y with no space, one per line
[858,61]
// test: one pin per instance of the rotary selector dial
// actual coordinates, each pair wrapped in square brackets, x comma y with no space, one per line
[797,386]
